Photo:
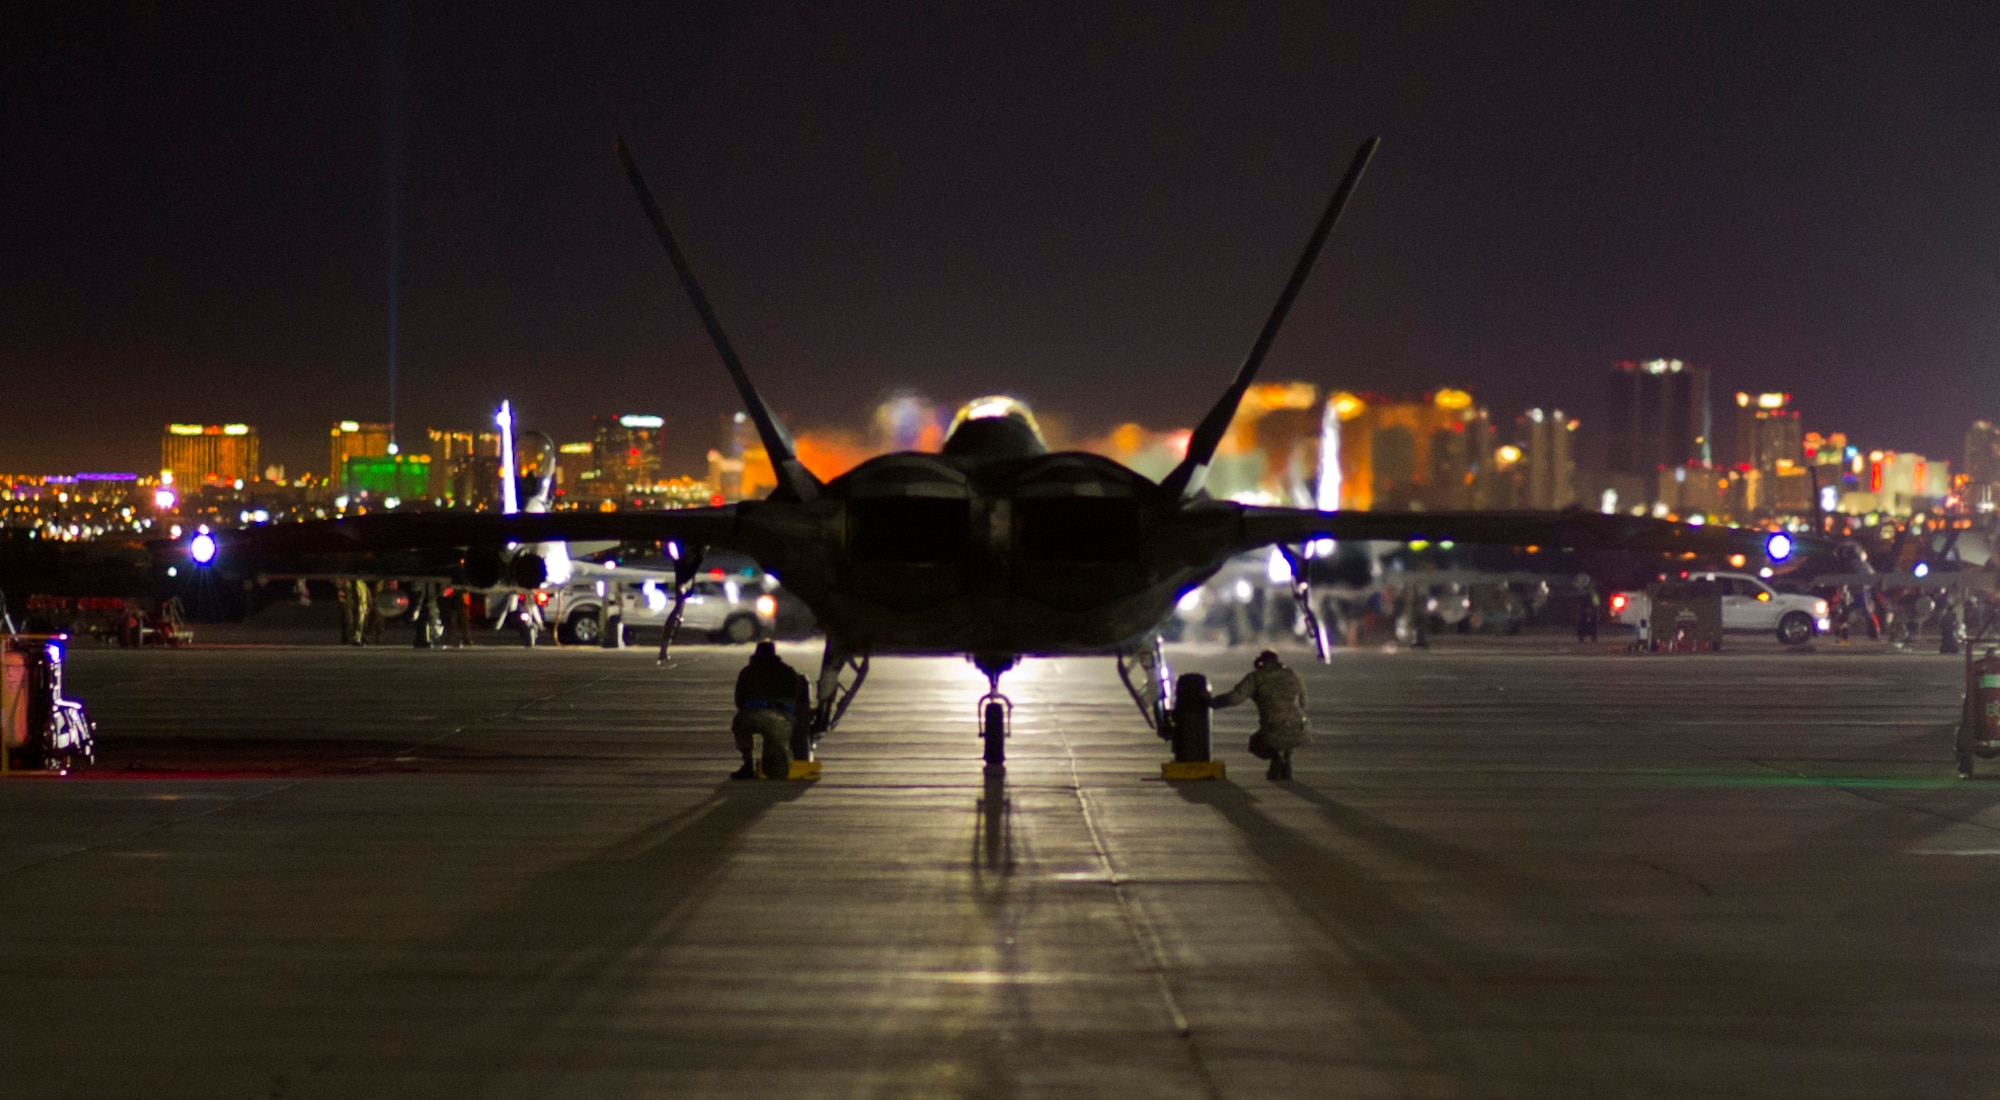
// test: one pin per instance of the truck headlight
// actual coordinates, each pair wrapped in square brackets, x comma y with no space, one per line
[1819,609]
[767,606]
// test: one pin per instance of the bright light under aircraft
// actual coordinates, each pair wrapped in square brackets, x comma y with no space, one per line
[1778,546]
[202,548]
[991,407]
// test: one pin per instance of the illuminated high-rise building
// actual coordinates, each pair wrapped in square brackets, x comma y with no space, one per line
[1898,483]
[576,468]
[398,477]
[208,454]
[626,450]
[1270,452]
[355,439]
[449,451]
[1547,465]
[1982,453]
[1767,432]
[1658,418]
[1426,453]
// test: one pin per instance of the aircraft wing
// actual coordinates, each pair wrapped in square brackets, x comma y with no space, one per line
[1568,529]
[355,543]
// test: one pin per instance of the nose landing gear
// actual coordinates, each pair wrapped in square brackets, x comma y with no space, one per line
[996,711]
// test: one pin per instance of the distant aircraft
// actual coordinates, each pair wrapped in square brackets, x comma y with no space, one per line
[994,548]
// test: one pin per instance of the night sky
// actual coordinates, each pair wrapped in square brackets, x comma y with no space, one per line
[1088,206]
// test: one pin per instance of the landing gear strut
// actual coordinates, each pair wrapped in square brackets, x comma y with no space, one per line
[687,563]
[996,711]
[1148,681]
[833,694]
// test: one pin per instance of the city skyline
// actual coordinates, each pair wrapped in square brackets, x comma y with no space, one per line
[1595,453]
[249,216]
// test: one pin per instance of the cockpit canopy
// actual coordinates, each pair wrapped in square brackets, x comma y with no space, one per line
[995,427]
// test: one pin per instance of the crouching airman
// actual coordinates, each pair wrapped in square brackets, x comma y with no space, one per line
[1281,712]
[772,699]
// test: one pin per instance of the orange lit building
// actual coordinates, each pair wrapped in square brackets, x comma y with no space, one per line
[1401,453]
[356,439]
[1767,432]
[193,455]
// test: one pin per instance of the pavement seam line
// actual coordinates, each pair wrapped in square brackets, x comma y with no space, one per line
[499,714]
[1144,936]
[154,828]
[1830,785]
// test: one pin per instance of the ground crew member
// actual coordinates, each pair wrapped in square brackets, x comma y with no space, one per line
[457,618]
[771,700]
[426,613]
[355,600]
[1281,712]
[373,622]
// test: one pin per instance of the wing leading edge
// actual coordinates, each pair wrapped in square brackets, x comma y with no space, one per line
[273,547]
[1580,530]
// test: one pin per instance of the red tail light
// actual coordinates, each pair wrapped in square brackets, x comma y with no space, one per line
[1618,602]
[541,597]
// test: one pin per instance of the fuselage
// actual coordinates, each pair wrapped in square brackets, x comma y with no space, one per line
[993,546]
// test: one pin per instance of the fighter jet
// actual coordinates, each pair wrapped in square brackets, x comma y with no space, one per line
[993,548]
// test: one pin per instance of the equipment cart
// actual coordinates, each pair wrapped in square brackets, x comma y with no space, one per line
[39,729]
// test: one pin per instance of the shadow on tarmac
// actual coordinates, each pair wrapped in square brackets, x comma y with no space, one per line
[993,828]
[1434,983]
[500,984]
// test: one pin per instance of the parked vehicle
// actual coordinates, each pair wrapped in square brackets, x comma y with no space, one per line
[1749,605]
[731,609]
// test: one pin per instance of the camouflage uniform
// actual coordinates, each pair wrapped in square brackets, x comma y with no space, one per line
[771,701]
[1281,712]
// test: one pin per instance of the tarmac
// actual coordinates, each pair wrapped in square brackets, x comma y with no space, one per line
[1506,868]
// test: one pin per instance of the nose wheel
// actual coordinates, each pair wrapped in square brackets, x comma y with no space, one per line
[996,712]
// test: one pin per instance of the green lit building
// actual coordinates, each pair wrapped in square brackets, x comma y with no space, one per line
[380,477]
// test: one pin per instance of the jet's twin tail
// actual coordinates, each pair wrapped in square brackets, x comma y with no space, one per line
[1186,479]
[795,482]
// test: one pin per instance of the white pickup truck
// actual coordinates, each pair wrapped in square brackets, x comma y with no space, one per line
[1749,605]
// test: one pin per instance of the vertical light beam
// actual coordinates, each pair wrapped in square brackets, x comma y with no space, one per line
[394,21]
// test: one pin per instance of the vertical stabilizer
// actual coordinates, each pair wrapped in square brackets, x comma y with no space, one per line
[1186,479]
[794,480]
